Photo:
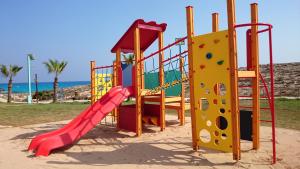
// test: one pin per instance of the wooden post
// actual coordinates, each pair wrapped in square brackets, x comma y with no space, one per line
[114,80]
[215,22]
[255,80]
[138,98]
[234,80]
[118,66]
[215,28]
[93,63]
[161,81]
[143,71]
[182,102]
[190,34]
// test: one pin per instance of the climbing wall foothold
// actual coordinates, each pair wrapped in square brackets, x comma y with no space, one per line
[202,66]
[220,62]
[216,41]
[215,101]
[209,55]
[201,46]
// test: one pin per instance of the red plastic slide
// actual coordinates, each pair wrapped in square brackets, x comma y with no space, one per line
[43,144]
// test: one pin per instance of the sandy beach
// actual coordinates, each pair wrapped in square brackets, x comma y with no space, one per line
[105,147]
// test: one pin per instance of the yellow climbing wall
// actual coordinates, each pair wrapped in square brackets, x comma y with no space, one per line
[212,91]
[103,83]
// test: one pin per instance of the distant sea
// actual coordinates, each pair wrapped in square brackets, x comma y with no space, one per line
[42,86]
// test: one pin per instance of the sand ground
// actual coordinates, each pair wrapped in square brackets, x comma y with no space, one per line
[105,147]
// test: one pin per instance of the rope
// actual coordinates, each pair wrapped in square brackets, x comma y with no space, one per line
[166,86]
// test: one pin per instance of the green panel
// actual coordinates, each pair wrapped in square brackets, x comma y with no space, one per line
[151,82]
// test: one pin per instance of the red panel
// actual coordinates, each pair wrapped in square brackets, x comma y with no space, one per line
[151,110]
[148,34]
[127,118]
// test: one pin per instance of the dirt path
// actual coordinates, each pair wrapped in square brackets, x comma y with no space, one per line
[104,147]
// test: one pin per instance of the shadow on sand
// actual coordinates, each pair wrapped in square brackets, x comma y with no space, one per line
[168,152]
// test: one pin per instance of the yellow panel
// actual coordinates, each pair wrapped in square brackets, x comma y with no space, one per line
[212,87]
[103,83]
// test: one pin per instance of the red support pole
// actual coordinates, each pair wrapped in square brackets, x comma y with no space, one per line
[272,96]
[248,47]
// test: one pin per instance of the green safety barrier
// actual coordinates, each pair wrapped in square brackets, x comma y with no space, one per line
[152,81]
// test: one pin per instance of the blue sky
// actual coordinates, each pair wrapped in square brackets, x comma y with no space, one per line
[79,31]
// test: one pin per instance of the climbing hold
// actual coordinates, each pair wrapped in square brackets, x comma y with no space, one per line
[220,62]
[202,85]
[209,55]
[215,101]
[202,45]
[216,41]
[202,66]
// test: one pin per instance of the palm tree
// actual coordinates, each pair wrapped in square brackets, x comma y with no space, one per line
[9,73]
[56,67]
[129,59]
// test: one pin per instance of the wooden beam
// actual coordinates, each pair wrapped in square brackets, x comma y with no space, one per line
[138,98]
[235,114]
[174,105]
[215,22]
[182,96]
[118,66]
[93,65]
[143,71]
[255,80]
[161,81]
[117,69]
[215,28]
[177,106]
[157,99]
[246,74]
[114,80]
[190,35]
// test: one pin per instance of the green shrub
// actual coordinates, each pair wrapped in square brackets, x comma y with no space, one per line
[43,95]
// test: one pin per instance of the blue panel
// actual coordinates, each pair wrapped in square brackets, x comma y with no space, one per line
[127,74]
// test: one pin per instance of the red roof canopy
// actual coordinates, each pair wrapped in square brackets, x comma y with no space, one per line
[148,34]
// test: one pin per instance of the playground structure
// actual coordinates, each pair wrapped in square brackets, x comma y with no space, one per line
[149,107]
[219,121]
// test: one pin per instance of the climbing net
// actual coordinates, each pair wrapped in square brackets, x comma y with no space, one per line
[103,82]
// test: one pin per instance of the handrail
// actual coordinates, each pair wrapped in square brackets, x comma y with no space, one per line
[256,24]
[103,67]
[175,56]
[166,47]
[270,95]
